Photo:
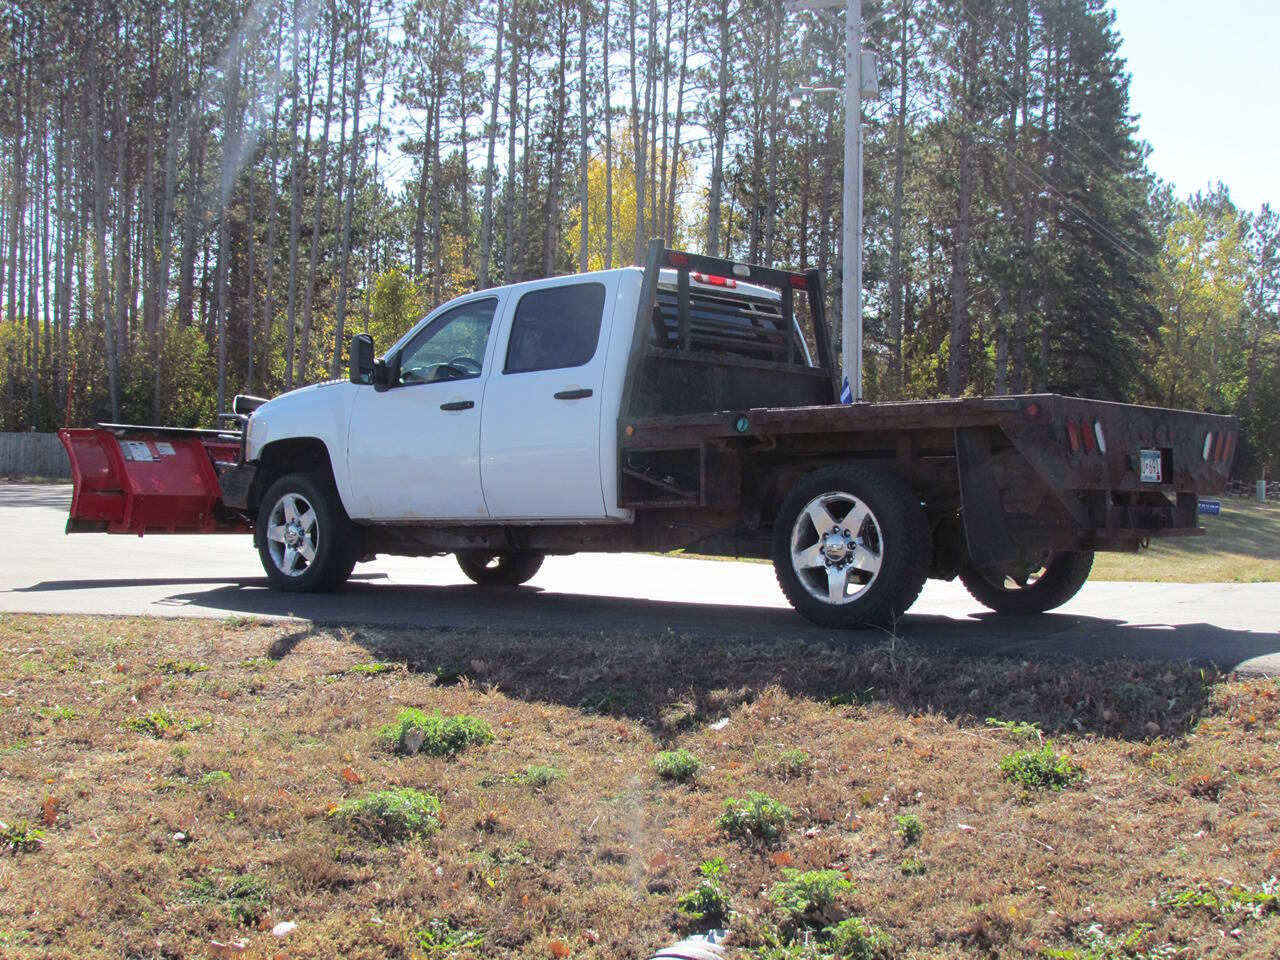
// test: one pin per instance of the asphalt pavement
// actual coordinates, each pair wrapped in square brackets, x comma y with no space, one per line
[44,570]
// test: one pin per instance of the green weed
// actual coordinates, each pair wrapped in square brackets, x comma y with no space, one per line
[57,713]
[413,731]
[855,939]
[156,723]
[21,837]
[793,763]
[910,828]
[802,896]
[1044,769]
[912,868]
[757,815]
[540,775]
[441,936]
[215,776]
[708,900]
[392,815]
[1232,901]
[1017,728]
[1095,944]
[371,669]
[680,766]
[245,898]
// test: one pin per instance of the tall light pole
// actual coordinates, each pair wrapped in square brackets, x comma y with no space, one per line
[855,87]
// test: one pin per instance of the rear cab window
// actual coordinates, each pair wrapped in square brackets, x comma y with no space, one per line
[555,328]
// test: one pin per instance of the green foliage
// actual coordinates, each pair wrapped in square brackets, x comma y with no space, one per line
[1096,944]
[20,837]
[441,936]
[57,713]
[370,669]
[912,868]
[709,900]
[680,766]
[245,898]
[793,763]
[757,815]
[434,733]
[214,777]
[392,815]
[802,896]
[1044,769]
[1234,901]
[540,775]
[156,723]
[910,829]
[615,700]
[856,939]
[1017,728]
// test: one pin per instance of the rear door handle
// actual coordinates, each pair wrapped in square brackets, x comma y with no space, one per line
[458,405]
[574,394]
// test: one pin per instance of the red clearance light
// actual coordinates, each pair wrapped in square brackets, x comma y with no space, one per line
[800,281]
[1033,410]
[678,259]
[1073,435]
[715,281]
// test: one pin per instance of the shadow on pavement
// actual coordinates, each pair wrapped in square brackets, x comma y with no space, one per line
[1059,637]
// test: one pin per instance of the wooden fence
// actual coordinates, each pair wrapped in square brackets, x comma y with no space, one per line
[33,455]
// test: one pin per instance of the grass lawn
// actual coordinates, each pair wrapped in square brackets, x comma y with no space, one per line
[1242,545]
[179,788]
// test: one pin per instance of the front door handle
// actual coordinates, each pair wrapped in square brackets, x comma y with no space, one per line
[458,405]
[574,394]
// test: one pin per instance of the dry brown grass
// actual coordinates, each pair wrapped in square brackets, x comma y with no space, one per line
[1181,794]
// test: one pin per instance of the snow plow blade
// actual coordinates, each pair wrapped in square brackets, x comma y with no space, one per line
[143,480]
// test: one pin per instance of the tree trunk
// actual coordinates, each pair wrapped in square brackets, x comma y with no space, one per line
[486,210]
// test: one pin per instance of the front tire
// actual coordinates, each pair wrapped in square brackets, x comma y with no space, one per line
[851,547]
[500,569]
[305,540]
[1057,581]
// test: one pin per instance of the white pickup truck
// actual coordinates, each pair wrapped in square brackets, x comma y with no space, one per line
[687,404]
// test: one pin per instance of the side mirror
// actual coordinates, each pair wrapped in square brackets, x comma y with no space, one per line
[360,355]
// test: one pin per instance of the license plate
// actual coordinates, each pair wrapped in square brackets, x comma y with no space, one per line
[1150,463]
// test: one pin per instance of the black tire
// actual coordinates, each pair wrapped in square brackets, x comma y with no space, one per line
[1059,581]
[893,537]
[330,537]
[499,569]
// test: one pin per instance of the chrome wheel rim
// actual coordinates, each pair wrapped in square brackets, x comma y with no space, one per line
[293,534]
[836,548]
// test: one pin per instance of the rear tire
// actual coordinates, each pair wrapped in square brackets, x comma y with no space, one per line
[1060,580]
[851,547]
[305,540]
[500,569]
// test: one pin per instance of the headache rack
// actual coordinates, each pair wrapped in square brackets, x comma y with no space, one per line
[718,347]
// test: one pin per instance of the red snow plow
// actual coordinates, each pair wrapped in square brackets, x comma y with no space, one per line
[150,480]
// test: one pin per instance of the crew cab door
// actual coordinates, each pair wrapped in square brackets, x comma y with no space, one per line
[540,436]
[413,450]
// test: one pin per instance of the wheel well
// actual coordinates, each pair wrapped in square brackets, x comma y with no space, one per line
[295,455]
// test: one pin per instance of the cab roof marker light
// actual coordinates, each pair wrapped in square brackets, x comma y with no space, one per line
[714,281]
[1208,446]
[1102,437]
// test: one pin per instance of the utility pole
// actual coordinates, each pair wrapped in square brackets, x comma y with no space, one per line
[859,81]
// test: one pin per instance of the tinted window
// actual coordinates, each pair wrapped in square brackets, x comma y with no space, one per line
[556,328]
[450,347]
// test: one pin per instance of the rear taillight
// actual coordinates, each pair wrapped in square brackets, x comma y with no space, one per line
[1101,437]
[1087,438]
[1073,435]
[1217,447]
[1208,446]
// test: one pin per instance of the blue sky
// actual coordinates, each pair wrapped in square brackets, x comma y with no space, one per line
[1206,83]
